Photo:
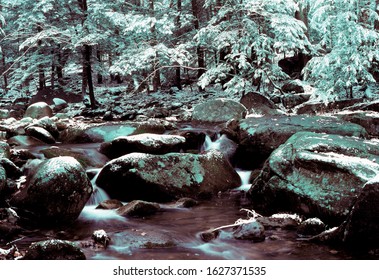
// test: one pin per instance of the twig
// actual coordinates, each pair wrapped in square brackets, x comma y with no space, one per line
[14,241]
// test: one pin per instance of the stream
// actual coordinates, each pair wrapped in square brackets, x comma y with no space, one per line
[174,232]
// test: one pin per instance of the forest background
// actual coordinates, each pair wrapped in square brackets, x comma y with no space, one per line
[151,45]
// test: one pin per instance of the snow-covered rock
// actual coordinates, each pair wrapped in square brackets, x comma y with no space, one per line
[143,143]
[38,110]
[56,193]
[59,104]
[311,227]
[253,231]
[313,107]
[317,175]
[48,124]
[166,177]
[258,104]
[54,249]
[40,134]
[219,110]
[259,137]
[367,119]
[79,132]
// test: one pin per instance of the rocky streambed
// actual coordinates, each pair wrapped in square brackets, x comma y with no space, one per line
[238,181]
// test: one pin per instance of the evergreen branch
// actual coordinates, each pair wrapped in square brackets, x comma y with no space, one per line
[272,82]
[17,60]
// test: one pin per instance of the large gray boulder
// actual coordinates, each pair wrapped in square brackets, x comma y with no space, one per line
[98,133]
[317,175]
[40,134]
[259,137]
[143,143]
[56,193]
[367,119]
[139,176]
[219,110]
[38,110]
[362,226]
[258,104]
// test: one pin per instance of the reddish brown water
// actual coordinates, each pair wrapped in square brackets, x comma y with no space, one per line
[174,233]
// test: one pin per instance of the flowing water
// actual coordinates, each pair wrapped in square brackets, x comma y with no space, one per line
[174,232]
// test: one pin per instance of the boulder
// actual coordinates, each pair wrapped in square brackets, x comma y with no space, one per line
[97,133]
[4,114]
[40,134]
[38,110]
[367,119]
[292,100]
[280,220]
[24,140]
[258,104]
[138,208]
[259,137]
[142,143]
[5,150]
[363,105]
[54,249]
[3,181]
[252,230]
[362,225]
[48,124]
[293,86]
[56,193]
[101,238]
[86,157]
[110,204]
[194,139]
[218,110]
[316,107]
[59,104]
[311,227]
[8,223]
[167,177]
[12,170]
[185,202]
[316,175]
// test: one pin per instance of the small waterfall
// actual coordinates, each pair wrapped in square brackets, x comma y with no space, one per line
[98,194]
[209,144]
[245,176]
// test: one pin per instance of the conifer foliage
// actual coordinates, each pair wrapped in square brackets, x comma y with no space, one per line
[156,44]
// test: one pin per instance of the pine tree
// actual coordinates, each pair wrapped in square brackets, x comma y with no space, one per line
[347,39]
[245,38]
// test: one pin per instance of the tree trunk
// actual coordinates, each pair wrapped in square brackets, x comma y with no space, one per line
[88,70]
[155,62]
[199,50]
[41,71]
[178,82]
[99,76]
[4,65]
